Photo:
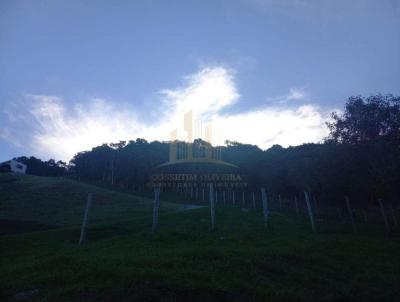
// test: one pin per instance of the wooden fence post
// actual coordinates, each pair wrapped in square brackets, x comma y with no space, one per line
[203,194]
[112,172]
[223,196]
[385,220]
[296,204]
[233,197]
[216,196]
[156,208]
[254,201]
[310,211]
[265,206]
[212,208]
[243,201]
[82,238]
[349,209]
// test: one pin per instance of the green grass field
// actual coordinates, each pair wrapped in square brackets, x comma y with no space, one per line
[40,259]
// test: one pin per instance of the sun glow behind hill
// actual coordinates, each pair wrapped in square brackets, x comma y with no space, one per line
[59,131]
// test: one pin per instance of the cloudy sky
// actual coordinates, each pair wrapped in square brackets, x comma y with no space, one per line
[76,74]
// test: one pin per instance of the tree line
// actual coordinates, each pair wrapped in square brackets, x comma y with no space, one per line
[36,166]
[360,158]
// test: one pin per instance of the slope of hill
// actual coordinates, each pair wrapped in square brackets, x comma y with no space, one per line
[45,202]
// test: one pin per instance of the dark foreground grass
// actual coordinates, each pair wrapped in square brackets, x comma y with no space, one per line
[185,261]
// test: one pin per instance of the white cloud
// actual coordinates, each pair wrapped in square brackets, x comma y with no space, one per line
[51,130]
[296,94]
[275,125]
[205,92]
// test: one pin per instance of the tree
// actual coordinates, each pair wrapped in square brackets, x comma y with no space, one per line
[43,168]
[367,119]
[372,126]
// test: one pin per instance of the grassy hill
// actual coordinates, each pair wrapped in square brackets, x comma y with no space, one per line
[49,202]
[184,260]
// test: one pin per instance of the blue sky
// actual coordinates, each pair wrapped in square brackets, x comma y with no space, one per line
[74,74]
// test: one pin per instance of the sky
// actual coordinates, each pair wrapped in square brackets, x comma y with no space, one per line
[76,74]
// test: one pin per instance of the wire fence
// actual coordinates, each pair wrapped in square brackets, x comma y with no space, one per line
[341,217]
